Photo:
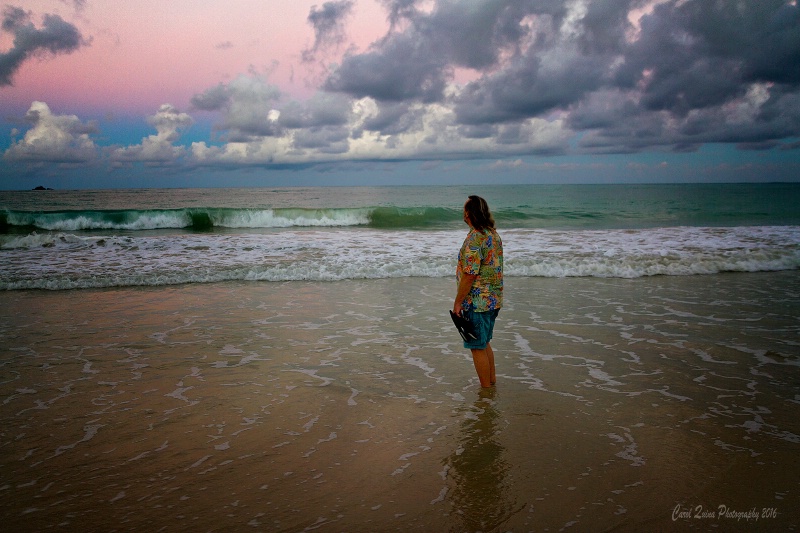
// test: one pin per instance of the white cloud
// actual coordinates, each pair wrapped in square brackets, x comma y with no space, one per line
[269,150]
[434,135]
[576,11]
[746,109]
[53,139]
[506,164]
[326,130]
[158,148]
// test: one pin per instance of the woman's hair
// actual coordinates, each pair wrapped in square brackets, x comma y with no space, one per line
[478,212]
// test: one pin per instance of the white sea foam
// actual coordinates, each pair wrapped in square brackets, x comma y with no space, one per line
[268,218]
[134,220]
[66,261]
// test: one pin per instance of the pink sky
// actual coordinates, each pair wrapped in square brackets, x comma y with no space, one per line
[150,52]
[207,84]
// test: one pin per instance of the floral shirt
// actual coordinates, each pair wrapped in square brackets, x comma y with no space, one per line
[482,254]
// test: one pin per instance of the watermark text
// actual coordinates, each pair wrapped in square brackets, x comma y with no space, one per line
[722,512]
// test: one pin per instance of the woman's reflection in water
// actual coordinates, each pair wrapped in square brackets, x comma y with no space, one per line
[478,469]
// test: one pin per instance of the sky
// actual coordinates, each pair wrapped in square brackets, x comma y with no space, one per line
[206,93]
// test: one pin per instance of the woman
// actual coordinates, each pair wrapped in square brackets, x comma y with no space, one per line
[479,274]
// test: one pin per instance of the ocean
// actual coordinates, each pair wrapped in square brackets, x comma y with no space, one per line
[282,360]
[121,238]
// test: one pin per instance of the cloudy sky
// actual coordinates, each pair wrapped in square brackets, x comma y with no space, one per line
[278,92]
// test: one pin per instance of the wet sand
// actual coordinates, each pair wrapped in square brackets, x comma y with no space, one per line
[625,405]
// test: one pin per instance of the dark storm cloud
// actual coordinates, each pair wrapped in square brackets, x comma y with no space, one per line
[321,110]
[212,99]
[245,105]
[680,73]
[250,108]
[605,25]
[474,34]
[394,118]
[418,62]
[540,77]
[702,72]
[403,68]
[328,24]
[531,87]
[699,54]
[399,10]
[560,57]
[327,140]
[54,37]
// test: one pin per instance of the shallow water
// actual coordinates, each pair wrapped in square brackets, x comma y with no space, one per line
[351,406]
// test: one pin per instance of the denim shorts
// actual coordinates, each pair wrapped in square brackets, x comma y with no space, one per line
[484,327]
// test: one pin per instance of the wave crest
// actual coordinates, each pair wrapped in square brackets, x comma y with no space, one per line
[197,219]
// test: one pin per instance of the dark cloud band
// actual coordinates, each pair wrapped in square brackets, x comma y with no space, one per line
[54,37]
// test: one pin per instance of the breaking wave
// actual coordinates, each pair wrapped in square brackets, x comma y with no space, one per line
[68,261]
[207,219]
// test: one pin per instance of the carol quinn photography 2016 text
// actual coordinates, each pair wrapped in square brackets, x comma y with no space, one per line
[721,512]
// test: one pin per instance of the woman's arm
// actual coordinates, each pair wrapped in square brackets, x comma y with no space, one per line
[463,289]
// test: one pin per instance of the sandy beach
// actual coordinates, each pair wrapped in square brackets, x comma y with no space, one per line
[663,403]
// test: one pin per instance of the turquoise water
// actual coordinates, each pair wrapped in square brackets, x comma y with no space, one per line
[80,239]
[514,206]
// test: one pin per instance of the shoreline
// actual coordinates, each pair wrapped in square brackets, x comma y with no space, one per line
[351,405]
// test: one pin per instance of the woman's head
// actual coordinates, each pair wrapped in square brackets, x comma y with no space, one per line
[477,214]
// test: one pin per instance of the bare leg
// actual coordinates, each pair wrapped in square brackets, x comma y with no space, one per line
[484,365]
[490,353]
